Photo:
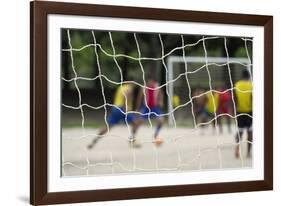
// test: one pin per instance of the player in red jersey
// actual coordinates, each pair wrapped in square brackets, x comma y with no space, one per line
[150,105]
[224,107]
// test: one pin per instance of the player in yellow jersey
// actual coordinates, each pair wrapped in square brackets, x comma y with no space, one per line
[212,104]
[243,100]
[205,105]
[122,104]
[199,103]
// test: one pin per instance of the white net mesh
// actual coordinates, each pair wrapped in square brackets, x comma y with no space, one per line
[184,148]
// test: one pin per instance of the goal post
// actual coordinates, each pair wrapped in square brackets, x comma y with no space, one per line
[186,61]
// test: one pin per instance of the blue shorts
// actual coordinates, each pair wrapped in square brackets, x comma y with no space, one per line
[116,116]
[154,112]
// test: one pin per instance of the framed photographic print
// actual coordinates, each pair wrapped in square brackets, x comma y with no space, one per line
[133,102]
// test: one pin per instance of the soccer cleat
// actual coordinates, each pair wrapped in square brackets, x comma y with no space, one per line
[131,138]
[158,141]
[133,142]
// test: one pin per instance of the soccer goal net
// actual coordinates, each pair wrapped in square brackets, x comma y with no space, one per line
[98,107]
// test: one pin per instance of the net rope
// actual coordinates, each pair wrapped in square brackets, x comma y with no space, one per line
[101,77]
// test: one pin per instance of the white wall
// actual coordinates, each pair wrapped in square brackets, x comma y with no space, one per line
[14,104]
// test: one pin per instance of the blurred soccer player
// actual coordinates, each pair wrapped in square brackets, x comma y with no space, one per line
[243,100]
[199,104]
[224,107]
[206,105]
[124,93]
[212,105]
[150,105]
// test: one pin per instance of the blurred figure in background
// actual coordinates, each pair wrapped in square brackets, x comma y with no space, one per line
[199,103]
[212,105]
[243,101]
[224,107]
[205,106]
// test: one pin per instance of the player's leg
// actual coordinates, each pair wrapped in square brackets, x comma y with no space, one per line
[202,117]
[160,121]
[153,113]
[214,119]
[98,137]
[224,111]
[250,141]
[112,120]
[159,125]
[137,120]
[227,111]
[219,122]
[134,123]
[228,122]
[238,140]
[156,112]
[220,118]
[238,136]
[249,135]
